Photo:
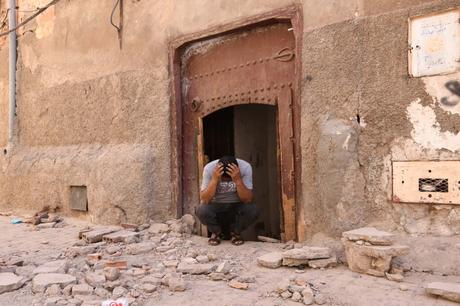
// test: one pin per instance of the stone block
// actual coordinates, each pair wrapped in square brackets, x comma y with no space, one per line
[42,281]
[371,235]
[57,266]
[120,236]
[323,263]
[10,282]
[307,253]
[448,291]
[271,260]
[196,268]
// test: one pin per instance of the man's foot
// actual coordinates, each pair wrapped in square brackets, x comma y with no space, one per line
[214,240]
[236,239]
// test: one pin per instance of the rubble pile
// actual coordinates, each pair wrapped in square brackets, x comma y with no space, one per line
[370,251]
[303,256]
[297,289]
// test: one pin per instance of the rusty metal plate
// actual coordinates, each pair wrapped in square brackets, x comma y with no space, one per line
[255,66]
[78,198]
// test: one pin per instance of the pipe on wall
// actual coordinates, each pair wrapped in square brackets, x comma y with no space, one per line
[12,70]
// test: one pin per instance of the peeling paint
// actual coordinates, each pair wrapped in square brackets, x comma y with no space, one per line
[427,131]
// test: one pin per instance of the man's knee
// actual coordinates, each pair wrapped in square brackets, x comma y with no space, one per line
[204,212]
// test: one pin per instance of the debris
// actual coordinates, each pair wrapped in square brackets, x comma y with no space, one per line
[158,228]
[46,225]
[149,288]
[223,267]
[215,276]
[308,296]
[238,285]
[53,290]
[120,236]
[449,291]
[111,273]
[403,287]
[120,264]
[268,239]
[394,277]
[196,268]
[301,256]
[119,292]
[16,221]
[286,294]
[10,282]
[140,248]
[323,263]
[202,259]
[130,226]
[82,289]
[96,235]
[320,299]
[271,260]
[94,257]
[42,281]
[95,279]
[57,266]
[296,296]
[371,235]
[176,284]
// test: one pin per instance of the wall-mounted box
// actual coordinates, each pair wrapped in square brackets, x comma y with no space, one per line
[78,198]
[426,182]
[434,43]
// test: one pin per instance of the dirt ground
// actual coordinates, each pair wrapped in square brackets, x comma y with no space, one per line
[430,259]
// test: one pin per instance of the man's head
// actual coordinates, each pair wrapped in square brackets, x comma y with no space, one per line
[225,161]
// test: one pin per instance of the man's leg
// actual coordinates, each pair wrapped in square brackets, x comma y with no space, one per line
[207,214]
[246,214]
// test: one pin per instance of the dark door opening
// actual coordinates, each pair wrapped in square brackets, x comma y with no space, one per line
[250,133]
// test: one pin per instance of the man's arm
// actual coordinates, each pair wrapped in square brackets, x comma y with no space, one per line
[244,193]
[208,193]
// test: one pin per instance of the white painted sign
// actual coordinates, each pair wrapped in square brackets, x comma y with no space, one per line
[434,44]
[119,302]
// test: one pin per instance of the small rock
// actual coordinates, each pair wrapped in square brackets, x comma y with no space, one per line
[246,279]
[216,276]
[394,277]
[82,289]
[320,299]
[295,288]
[150,279]
[119,292]
[112,249]
[170,263]
[267,239]
[238,285]
[271,260]
[54,289]
[296,296]
[157,228]
[308,296]
[57,266]
[101,292]
[449,291]
[283,286]
[286,294]
[67,290]
[176,284]
[95,279]
[403,287]
[212,257]
[149,288]
[202,259]
[111,273]
[140,248]
[196,268]
[42,281]
[134,293]
[223,267]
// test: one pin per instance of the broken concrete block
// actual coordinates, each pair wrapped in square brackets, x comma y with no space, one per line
[308,296]
[371,235]
[54,289]
[373,260]
[96,235]
[111,273]
[119,292]
[448,291]
[238,285]
[57,266]
[82,289]
[394,277]
[158,228]
[10,282]
[323,263]
[196,268]
[42,281]
[202,259]
[140,248]
[215,276]
[296,296]
[120,236]
[271,260]
[120,264]
[95,279]
[149,288]
[308,253]
[223,267]
[176,284]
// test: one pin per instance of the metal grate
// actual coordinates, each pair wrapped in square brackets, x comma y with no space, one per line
[433,185]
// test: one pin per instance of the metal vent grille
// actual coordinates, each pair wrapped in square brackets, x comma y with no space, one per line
[433,185]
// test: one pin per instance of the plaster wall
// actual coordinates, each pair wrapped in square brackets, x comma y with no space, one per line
[90,113]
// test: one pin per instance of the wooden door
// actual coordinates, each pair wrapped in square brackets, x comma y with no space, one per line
[256,66]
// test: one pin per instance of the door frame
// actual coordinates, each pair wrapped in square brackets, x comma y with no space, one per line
[177,46]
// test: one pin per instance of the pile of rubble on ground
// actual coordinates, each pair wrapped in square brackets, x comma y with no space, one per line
[297,289]
[371,251]
[105,264]
[299,256]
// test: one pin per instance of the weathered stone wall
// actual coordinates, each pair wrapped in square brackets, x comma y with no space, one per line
[92,114]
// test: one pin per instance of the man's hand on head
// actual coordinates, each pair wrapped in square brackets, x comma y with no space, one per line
[217,173]
[234,172]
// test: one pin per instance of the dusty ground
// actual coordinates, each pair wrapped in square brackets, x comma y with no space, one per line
[437,256]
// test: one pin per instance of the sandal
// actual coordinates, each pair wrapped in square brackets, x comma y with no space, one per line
[236,239]
[214,240]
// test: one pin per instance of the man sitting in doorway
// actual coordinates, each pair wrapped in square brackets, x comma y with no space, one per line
[227,189]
